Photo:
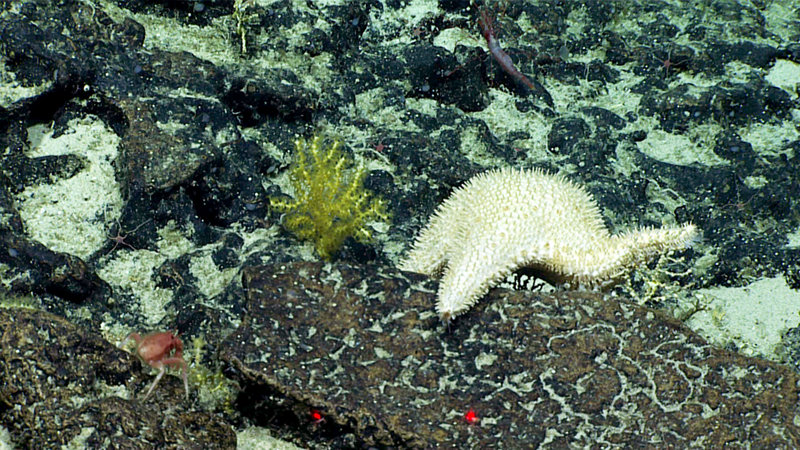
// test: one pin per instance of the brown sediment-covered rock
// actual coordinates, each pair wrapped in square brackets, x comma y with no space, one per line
[366,351]
[61,385]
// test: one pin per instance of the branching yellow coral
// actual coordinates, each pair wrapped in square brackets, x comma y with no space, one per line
[330,203]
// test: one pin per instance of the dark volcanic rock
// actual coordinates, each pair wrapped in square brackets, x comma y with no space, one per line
[361,359]
[59,386]
[38,269]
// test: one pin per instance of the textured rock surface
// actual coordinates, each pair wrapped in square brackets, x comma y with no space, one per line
[369,354]
[60,385]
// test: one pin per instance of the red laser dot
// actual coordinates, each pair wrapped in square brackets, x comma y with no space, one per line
[471,417]
[316,416]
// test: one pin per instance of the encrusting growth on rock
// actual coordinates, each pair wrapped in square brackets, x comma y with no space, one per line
[507,219]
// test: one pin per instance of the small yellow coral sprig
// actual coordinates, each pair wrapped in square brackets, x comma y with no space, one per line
[330,202]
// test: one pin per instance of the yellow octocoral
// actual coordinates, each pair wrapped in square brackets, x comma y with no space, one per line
[214,390]
[330,202]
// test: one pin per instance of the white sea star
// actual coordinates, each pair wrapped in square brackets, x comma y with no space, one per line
[505,219]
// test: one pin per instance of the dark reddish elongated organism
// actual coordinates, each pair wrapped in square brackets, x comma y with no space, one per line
[498,53]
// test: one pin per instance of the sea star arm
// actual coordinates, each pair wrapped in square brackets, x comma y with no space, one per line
[443,235]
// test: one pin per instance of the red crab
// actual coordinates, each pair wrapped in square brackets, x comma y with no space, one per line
[160,350]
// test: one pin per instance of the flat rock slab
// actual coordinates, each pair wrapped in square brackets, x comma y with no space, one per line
[365,351]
